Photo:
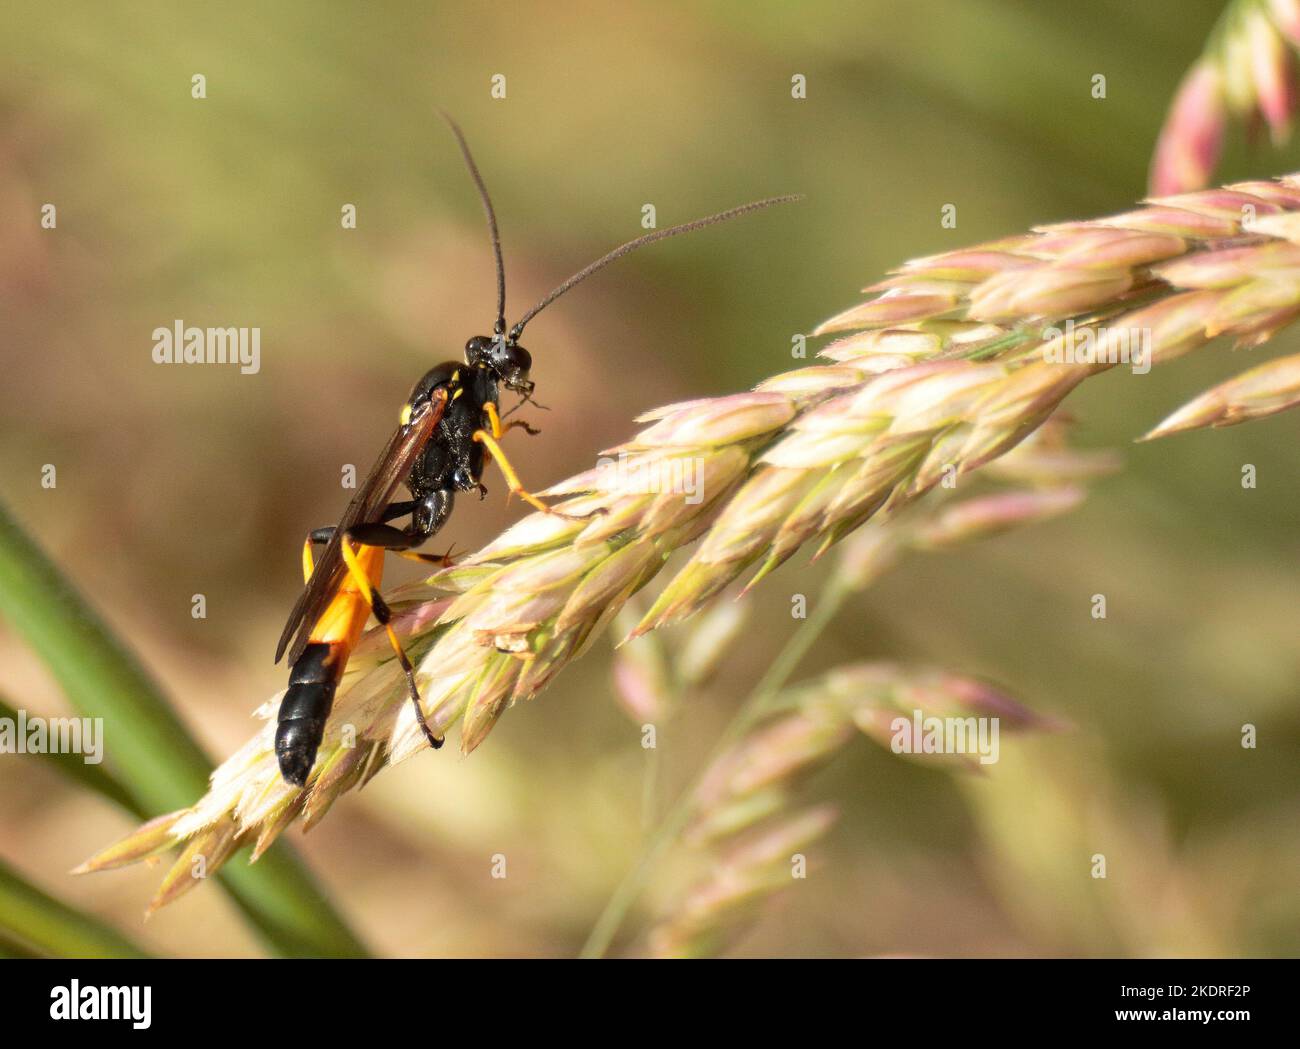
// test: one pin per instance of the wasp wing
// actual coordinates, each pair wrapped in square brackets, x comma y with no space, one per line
[366,507]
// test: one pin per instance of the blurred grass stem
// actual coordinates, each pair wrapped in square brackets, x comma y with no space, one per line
[752,709]
[155,757]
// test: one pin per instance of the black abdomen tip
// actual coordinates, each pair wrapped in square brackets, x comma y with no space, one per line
[303,710]
[296,743]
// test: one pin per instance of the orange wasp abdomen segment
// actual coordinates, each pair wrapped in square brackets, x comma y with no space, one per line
[315,675]
[345,617]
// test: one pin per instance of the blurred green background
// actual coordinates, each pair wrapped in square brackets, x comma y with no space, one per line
[174,481]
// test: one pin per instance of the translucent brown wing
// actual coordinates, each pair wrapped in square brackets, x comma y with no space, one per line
[372,498]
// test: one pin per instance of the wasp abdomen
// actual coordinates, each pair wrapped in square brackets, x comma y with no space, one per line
[303,712]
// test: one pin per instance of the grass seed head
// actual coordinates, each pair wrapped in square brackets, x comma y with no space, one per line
[942,371]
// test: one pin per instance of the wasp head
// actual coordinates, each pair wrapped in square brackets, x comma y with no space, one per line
[510,361]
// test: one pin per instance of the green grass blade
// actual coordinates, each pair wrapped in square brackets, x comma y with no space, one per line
[11,948]
[158,762]
[91,777]
[34,921]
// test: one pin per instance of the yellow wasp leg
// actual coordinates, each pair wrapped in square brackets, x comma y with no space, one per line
[499,431]
[445,560]
[512,479]
[379,609]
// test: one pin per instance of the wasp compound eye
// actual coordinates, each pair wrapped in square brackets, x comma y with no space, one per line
[519,360]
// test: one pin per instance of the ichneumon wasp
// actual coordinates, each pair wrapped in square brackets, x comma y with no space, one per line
[449,428]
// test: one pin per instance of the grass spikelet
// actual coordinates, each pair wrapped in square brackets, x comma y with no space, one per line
[1247,73]
[742,831]
[1261,391]
[949,367]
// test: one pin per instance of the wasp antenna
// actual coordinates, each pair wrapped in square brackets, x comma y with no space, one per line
[491,217]
[649,238]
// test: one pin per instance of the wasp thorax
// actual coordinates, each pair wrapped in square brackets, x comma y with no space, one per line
[429,381]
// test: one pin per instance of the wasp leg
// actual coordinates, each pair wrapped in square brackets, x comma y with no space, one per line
[322,536]
[397,541]
[512,479]
[308,562]
[316,537]
[380,610]
[499,431]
